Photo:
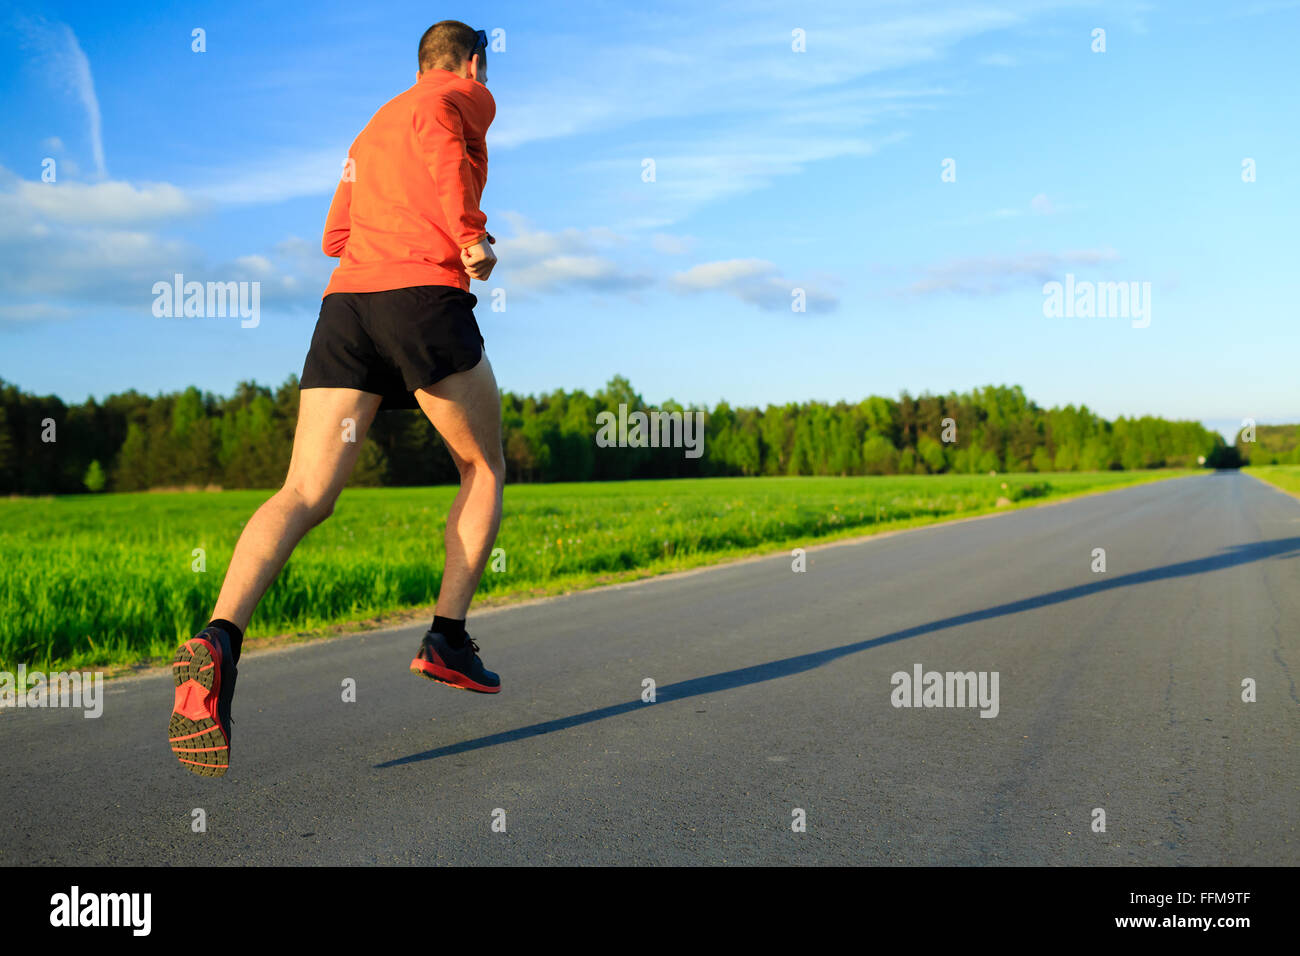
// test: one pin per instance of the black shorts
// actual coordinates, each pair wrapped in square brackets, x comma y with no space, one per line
[392,343]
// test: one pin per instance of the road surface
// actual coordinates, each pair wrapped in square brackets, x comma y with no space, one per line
[1118,691]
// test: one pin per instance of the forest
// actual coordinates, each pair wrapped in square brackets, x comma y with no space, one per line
[133,442]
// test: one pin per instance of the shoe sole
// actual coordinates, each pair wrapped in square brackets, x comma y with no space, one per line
[195,732]
[445,675]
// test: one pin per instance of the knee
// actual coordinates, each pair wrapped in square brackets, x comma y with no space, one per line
[488,469]
[314,502]
[496,465]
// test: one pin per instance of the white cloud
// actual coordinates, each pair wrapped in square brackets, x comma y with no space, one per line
[56,262]
[283,175]
[671,245]
[717,275]
[592,272]
[258,267]
[33,312]
[753,281]
[691,174]
[534,260]
[748,68]
[993,275]
[105,203]
[733,111]
[64,64]
[1039,205]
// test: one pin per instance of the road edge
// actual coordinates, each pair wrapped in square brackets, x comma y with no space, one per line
[400,620]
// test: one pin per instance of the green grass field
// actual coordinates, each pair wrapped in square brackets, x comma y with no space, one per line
[1286,477]
[96,581]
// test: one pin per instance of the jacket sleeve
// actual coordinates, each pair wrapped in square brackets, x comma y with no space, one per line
[441,138]
[338,224]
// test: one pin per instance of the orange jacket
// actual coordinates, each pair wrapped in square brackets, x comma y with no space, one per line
[408,200]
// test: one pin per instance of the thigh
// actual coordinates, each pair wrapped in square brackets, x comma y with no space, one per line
[466,409]
[332,424]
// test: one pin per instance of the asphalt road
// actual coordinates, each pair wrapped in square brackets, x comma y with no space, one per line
[1119,690]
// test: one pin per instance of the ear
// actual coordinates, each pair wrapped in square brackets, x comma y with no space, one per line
[473,67]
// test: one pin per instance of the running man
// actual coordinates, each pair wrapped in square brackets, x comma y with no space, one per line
[396,330]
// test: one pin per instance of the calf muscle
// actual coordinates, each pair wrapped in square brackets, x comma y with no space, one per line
[332,424]
[465,408]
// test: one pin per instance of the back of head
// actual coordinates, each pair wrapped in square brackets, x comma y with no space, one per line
[447,45]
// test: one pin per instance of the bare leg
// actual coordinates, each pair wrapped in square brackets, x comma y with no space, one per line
[322,460]
[466,410]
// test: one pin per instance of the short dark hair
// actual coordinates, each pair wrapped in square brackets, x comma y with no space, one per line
[446,45]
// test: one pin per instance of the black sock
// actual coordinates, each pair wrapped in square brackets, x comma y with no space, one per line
[236,635]
[452,629]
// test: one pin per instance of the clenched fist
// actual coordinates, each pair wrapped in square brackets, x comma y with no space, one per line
[479,259]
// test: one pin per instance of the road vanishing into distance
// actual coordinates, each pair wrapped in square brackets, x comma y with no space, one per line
[774,735]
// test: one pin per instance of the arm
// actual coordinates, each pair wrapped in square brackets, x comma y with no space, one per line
[338,224]
[441,139]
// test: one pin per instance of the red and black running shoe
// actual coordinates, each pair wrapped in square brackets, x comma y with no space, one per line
[438,660]
[204,673]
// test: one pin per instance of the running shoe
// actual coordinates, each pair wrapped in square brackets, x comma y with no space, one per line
[438,660]
[204,674]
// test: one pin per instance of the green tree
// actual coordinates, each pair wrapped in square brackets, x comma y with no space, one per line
[371,467]
[931,452]
[879,456]
[94,480]
[133,461]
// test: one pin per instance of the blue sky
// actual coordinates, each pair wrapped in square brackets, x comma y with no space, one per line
[774,170]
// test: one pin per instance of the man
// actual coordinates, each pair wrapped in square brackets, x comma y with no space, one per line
[396,330]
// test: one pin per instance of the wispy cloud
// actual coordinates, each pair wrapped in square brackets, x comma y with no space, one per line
[33,312]
[58,54]
[768,110]
[994,275]
[1041,205]
[274,178]
[751,68]
[688,175]
[754,281]
[534,260]
[671,245]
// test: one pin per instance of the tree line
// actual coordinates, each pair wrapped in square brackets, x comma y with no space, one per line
[132,442]
[1272,445]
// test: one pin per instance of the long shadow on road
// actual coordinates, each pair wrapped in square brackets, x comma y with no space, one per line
[758,673]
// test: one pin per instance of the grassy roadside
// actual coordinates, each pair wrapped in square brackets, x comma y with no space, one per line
[1283,477]
[113,582]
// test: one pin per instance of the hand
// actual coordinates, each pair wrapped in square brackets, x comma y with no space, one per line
[479,259]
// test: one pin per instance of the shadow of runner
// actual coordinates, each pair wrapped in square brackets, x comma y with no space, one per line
[758,673]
